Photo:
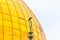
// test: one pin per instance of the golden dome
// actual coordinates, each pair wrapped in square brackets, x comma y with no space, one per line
[14,24]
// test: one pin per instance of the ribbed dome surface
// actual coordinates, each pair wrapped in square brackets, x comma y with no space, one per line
[14,25]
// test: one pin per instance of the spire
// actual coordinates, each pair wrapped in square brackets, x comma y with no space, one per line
[30,26]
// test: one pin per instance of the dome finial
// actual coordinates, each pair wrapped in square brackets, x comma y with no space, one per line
[29,18]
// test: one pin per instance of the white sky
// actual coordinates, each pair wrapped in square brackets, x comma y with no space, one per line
[48,14]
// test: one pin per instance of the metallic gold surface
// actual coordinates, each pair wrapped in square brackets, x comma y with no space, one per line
[14,25]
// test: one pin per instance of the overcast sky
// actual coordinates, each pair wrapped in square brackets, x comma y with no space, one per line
[48,14]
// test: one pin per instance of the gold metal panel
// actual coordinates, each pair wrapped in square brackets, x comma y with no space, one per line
[14,24]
